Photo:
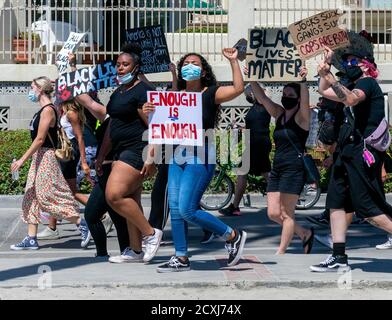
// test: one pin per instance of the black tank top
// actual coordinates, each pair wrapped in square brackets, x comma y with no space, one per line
[258,121]
[34,124]
[285,152]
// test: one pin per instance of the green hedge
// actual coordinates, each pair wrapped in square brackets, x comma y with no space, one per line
[13,144]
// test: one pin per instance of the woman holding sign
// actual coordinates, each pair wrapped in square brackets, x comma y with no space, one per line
[124,137]
[188,181]
[287,177]
[356,183]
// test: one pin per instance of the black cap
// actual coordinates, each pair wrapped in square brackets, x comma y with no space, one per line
[360,54]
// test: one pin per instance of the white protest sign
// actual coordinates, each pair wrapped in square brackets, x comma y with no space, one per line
[178,118]
[271,56]
[312,34]
[70,46]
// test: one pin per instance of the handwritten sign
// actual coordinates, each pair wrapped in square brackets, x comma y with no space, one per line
[271,56]
[177,118]
[241,46]
[311,35]
[72,44]
[85,80]
[155,55]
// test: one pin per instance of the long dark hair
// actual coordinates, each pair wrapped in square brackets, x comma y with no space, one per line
[206,81]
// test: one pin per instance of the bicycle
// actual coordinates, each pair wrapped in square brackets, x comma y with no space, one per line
[221,188]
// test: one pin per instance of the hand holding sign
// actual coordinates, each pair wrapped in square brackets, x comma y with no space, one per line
[230,53]
[328,55]
[148,107]
[303,72]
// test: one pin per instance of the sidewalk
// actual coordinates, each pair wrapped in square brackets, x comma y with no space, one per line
[73,267]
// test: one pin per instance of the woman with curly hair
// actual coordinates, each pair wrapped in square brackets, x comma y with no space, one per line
[188,181]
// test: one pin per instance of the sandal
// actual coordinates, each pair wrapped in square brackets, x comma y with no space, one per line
[308,244]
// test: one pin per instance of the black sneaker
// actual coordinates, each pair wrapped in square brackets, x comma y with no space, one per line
[174,265]
[230,211]
[321,220]
[332,264]
[235,247]
[208,237]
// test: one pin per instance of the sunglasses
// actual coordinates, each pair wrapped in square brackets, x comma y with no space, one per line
[352,62]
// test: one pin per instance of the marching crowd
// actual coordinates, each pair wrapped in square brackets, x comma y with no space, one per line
[353,108]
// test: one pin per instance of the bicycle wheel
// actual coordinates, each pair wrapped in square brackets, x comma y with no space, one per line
[219,192]
[309,196]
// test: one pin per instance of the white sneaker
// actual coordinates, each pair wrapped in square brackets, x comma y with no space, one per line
[386,245]
[128,255]
[107,223]
[48,234]
[324,240]
[152,245]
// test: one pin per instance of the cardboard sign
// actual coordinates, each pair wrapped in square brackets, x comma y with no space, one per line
[85,80]
[312,34]
[272,56]
[241,46]
[177,118]
[70,46]
[155,55]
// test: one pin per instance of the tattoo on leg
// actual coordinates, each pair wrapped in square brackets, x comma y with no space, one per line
[339,89]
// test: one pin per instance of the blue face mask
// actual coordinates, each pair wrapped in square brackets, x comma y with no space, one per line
[125,79]
[191,72]
[33,97]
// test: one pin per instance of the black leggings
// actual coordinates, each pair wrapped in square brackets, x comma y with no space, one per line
[94,211]
[159,205]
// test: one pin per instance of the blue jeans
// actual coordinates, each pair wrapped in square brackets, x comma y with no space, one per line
[186,185]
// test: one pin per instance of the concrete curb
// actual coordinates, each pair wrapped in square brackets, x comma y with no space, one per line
[241,285]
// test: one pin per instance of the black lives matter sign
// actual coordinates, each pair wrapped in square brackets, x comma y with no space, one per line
[272,57]
[155,55]
[85,80]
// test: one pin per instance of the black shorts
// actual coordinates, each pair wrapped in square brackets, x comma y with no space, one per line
[348,187]
[132,157]
[287,179]
[69,168]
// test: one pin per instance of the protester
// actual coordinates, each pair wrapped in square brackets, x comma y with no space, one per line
[188,181]
[72,121]
[257,120]
[124,136]
[287,177]
[46,189]
[355,183]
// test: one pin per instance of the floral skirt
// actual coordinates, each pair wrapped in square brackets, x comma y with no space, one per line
[46,190]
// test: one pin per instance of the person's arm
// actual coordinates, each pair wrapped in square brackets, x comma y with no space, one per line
[304,107]
[78,132]
[331,89]
[274,109]
[106,146]
[48,118]
[72,61]
[149,168]
[97,110]
[227,93]
[172,68]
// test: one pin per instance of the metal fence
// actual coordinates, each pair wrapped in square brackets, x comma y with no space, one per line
[190,25]
[33,31]
[375,16]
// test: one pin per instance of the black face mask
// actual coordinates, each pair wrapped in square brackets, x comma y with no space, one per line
[289,103]
[353,72]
